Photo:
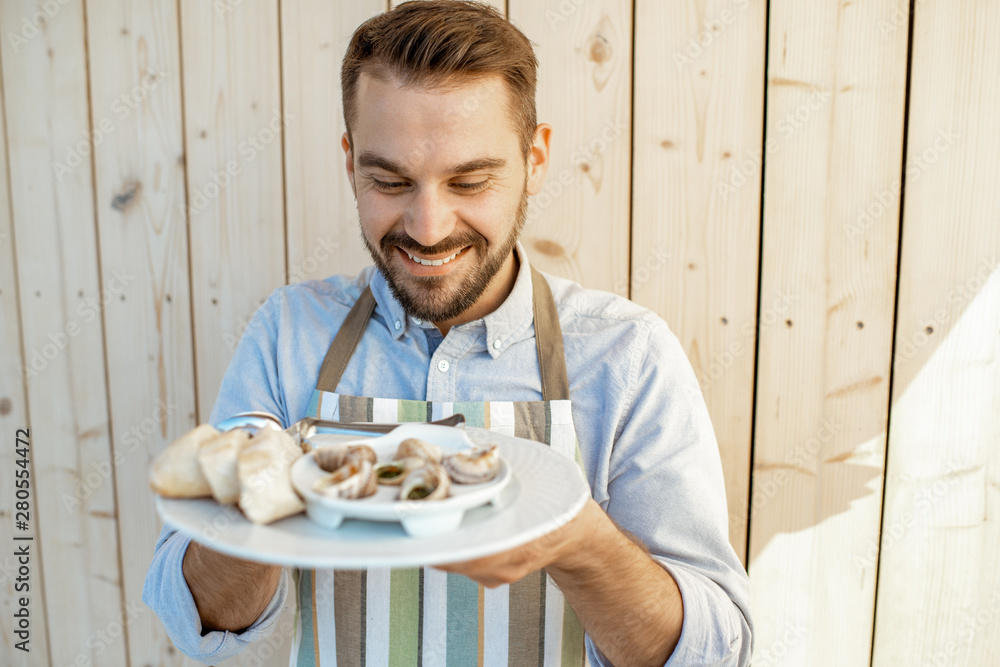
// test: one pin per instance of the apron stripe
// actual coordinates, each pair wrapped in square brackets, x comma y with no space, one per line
[553,623]
[475,413]
[420,616]
[404,618]
[384,410]
[495,616]
[435,615]
[411,411]
[502,417]
[463,619]
[325,636]
[482,623]
[355,408]
[526,620]
[377,622]
[531,420]
[306,654]
[351,588]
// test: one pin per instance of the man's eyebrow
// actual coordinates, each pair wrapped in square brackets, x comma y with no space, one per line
[371,160]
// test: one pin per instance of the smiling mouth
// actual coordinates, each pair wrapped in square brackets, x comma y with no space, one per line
[432,262]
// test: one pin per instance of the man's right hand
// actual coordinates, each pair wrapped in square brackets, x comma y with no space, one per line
[230,593]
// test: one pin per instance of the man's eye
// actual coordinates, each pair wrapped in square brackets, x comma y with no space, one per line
[387,186]
[472,187]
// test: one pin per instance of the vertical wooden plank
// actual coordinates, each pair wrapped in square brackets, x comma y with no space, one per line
[323,236]
[14,416]
[836,87]
[501,5]
[939,581]
[49,142]
[698,114]
[234,129]
[135,96]
[578,225]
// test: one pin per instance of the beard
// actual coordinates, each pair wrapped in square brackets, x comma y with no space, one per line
[432,298]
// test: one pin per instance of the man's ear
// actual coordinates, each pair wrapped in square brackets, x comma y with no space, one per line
[538,158]
[345,143]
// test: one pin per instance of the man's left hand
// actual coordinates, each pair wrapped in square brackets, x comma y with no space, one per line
[557,548]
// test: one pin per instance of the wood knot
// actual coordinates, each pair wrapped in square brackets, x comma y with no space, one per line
[666,144]
[5,407]
[600,49]
[550,248]
[127,197]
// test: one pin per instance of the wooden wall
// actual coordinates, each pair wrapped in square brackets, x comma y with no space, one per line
[806,191]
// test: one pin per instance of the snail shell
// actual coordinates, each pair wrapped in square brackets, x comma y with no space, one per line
[421,448]
[331,458]
[394,472]
[429,482]
[351,481]
[473,466]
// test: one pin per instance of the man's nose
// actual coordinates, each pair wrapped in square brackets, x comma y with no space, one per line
[429,218]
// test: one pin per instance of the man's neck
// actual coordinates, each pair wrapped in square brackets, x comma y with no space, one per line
[496,293]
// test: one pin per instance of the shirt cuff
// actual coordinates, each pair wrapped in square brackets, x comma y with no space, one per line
[166,592]
[713,632]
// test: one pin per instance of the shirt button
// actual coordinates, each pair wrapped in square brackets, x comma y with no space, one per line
[443,365]
[398,325]
[497,343]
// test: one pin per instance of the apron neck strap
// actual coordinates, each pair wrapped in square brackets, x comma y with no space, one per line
[548,341]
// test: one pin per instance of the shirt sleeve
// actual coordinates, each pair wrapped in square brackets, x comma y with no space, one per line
[166,592]
[666,487]
[250,383]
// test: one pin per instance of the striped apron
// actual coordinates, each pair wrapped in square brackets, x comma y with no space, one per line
[402,617]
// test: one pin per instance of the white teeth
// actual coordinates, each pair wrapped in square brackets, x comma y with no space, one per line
[432,262]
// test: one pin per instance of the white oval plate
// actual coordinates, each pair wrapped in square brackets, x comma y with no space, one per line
[420,518]
[545,492]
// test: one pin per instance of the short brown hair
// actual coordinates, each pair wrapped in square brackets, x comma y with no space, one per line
[435,43]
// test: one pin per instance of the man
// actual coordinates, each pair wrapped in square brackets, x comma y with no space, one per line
[442,150]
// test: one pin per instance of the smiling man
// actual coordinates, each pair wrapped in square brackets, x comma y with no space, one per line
[442,152]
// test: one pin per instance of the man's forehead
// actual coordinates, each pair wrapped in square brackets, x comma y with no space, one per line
[402,128]
[468,93]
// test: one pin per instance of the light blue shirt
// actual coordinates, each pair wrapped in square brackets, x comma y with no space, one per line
[647,442]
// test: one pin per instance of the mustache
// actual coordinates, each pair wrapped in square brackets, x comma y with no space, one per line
[447,246]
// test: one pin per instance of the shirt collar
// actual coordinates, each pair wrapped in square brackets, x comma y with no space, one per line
[502,326]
